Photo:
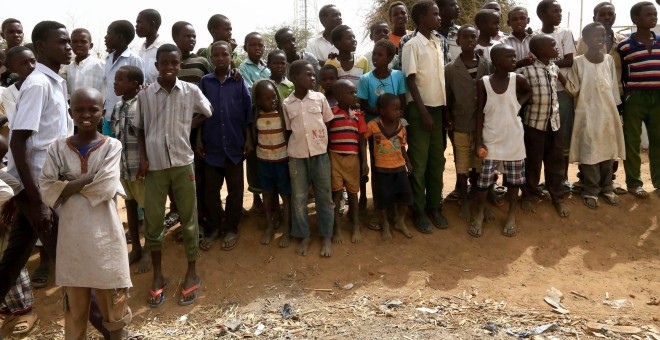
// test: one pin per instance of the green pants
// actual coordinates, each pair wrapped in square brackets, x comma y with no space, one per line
[426,152]
[638,107]
[157,185]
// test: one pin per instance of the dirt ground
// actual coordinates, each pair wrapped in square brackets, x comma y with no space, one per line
[443,285]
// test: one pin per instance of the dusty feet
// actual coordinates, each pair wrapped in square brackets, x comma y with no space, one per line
[400,225]
[284,241]
[303,247]
[465,211]
[510,228]
[476,224]
[489,215]
[562,209]
[326,250]
[385,234]
[135,255]
[145,263]
[356,236]
[527,206]
[337,238]
[267,236]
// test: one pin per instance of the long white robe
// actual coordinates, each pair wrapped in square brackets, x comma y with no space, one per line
[597,134]
[91,246]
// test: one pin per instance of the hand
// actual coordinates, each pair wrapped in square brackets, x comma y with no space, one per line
[144,86]
[448,124]
[482,152]
[236,74]
[365,169]
[427,121]
[409,168]
[248,148]
[40,216]
[142,171]
[233,43]
[332,55]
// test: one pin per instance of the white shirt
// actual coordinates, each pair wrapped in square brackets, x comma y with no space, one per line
[8,100]
[486,49]
[88,73]
[41,108]
[320,47]
[126,58]
[425,59]
[148,55]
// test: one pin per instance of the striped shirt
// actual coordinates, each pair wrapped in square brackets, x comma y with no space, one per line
[194,68]
[120,121]
[271,137]
[543,107]
[521,46]
[640,69]
[344,131]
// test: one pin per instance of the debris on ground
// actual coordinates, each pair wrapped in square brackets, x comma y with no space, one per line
[554,299]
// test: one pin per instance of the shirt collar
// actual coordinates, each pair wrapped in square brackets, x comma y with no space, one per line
[633,38]
[157,43]
[157,87]
[250,62]
[537,63]
[50,73]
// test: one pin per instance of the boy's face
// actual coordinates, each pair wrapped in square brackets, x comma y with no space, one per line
[347,95]
[81,43]
[13,34]
[378,32]
[399,16]
[112,39]
[327,78]
[86,111]
[288,42]
[391,111]
[223,31]
[143,26]
[549,49]
[186,39]
[168,65]
[552,15]
[647,19]
[606,16]
[380,58]
[451,10]
[305,78]
[467,39]
[221,57]
[431,20]
[332,19]
[595,38]
[254,46]
[23,64]
[123,85]
[347,42]
[277,65]
[267,100]
[518,20]
[505,60]
[56,47]
[491,24]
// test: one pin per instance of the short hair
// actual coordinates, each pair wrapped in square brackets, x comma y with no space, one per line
[497,49]
[420,8]
[323,12]
[133,73]
[535,42]
[41,30]
[214,21]
[491,2]
[543,6]
[296,67]
[482,15]
[31,47]
[338,32]
[221,42]
[601,5]
[247,36]
[167,48]
[280,32]
[516,9]
[636,9]
[84,31]
[178,27]
[13,52]
[123,28]
[273,53]
[151,15]
[590,27]
[463,28]
[395,4]
[340,84]
[331,68]
[385,99]
[377,23]
[9,21]
[387,45]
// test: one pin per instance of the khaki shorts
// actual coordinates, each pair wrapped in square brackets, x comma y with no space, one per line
[134,191]
[345,172]
[465,157]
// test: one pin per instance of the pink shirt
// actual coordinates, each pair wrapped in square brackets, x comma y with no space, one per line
[306,120]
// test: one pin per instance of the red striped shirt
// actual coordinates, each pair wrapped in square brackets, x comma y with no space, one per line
[344,131]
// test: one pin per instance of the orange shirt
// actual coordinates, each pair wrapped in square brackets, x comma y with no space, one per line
[395,39]
[387,149]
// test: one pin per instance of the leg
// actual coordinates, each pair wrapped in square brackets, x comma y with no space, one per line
[634,109]
[653,128]
[592,180]
[116,313]
[554,173]
[286,221]
[400,220]
[157,186]
[298,169]
[515,175]
[374,222]
[419,141]
[336,235]
[478,219]
[267,236]
[461,180]
[254,185]
[606,183]
[463,156]
[566,115]
[41,275]
[133,230]
[20,244]
[76,312]
[535,149]
[385,234]
[435,168]
[214,178]
[510,228]
[325,212]
[363,187]
[235,187]
[355,218]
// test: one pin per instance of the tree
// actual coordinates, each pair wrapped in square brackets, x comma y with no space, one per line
[468,9]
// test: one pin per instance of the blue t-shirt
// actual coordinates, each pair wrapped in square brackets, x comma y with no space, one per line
[370,88]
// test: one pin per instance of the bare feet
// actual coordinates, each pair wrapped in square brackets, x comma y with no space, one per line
[337,238]
[268,234]
[527,206]
[356,237]
[488,215]
[326,250]
[476,224]
[284,241]
[401,226]
[385,234]
[144,265]
[510,228]
[562,209]
[303,246]
[134,256]
[465,211]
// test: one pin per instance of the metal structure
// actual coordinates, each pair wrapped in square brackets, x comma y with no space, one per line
[305,15]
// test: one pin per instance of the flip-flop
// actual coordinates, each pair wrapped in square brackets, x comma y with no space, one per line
[610,198]
[585,199]
[194,289]
[374,223]
[639,192]
[228,239]
[161,293]
[25,320]
[40,276]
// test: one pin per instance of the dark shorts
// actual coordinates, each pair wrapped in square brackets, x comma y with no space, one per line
[252,173]
[394,188]
[274,176]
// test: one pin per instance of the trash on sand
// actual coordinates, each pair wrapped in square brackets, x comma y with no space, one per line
[286,311]
[347,287]
[260,328]
[233,324]
[655,301]
[183,318]
[393,303]
[600,327]
[554,299]
[536,331]
[492,327]
[427,310]
[623,303]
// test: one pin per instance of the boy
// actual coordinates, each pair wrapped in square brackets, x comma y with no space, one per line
[226,140]
[377,31]
[424,67]
[487,22]
[500,134]
[549,11]
[321,45]
[86,70]
[398,15]
[90,255]
[119,36]
[253,68]
[518,19]
[327,77]
[461,75]
[276,63]
[542,126]
[286,42]
[128,80]
[495,6]
[146,26]
[220,29]
[12,33]
[164,119]
[639,53]
[347,150]
[305,115]
[449,11]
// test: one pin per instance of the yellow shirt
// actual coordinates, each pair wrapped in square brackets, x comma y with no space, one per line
[425,59]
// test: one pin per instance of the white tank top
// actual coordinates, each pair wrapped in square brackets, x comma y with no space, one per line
[503,129]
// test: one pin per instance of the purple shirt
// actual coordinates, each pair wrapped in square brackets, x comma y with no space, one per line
[224,132]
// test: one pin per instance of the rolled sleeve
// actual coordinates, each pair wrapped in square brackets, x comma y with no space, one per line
[408,62]
[31,102]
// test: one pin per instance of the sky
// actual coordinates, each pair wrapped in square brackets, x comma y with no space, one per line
[96,15]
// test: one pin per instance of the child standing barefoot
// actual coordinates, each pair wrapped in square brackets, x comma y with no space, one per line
[81,177]
[597,133]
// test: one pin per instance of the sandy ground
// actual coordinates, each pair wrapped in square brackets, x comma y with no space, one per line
[464,282]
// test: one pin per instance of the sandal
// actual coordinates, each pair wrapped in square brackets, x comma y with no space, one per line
[24,323]
[192,290]
[374,223]
[230,240]
[610,198]
[590,201]
[639,192]
[206,242]
[453,196]
[160,293]
[40,277]
[619,190]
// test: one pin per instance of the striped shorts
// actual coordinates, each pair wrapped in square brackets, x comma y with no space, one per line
[514,171]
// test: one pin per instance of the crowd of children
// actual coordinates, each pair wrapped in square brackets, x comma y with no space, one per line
[298,124]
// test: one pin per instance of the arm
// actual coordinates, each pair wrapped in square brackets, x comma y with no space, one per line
[567,61]
[75,186]
[446,110]
[363,151]
[248,147]
[572,83]
[198,120]
[481,103]
[417,98]
[525,61]
[144,160]
[364,105]
[404,153]
[523,89]
[199,144]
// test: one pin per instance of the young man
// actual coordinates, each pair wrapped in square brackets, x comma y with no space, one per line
[220,29]
[86,70]
[286,42]
[398,14]
[449,11]
[320,45]
[146,26]
[518,19]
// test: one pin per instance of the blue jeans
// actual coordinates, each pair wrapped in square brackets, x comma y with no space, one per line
[314,170]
